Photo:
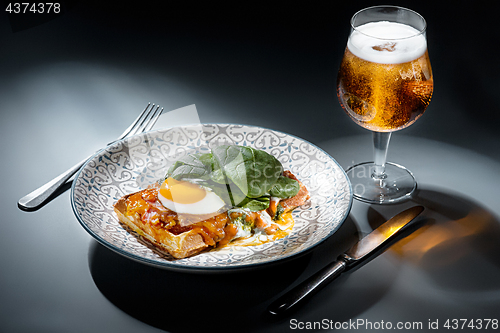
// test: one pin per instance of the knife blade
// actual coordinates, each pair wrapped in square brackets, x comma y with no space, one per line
[362,249]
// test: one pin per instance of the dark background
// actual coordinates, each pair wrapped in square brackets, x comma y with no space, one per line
[264,61]
[70,83]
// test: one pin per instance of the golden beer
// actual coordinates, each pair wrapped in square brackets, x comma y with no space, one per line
[384,84]
[384,97]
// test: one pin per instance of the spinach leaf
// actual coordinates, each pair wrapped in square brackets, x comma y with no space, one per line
[279,212]
[240,176]
[189,166]
[217,174]
[253,171]
[206,159]
[285,188]
[230,194]
[255,204]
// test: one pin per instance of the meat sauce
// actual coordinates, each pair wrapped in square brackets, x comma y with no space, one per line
[217,229]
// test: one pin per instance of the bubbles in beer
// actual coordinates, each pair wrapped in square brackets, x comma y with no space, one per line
[385,84]
[358,108]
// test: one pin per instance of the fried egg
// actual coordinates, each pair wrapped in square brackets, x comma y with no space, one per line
[184,197]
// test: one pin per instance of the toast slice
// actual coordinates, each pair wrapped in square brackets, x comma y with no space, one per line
[143,213]
[179,246]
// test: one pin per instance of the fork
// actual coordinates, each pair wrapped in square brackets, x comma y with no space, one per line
[34,200]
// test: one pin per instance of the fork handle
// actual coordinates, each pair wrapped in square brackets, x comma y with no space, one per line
[35,199]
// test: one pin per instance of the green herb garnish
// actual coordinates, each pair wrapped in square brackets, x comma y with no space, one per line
[241,176]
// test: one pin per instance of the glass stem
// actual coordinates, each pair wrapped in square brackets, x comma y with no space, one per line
[380,145]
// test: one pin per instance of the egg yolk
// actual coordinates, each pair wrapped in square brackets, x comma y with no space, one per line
[181,192]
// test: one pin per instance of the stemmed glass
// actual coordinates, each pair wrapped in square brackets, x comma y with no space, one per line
[384,84]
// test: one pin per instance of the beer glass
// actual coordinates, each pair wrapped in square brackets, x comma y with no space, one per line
[384,84]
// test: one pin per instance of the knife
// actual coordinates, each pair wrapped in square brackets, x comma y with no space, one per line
[367,245]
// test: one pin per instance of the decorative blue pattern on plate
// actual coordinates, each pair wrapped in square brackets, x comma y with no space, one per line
[134,163]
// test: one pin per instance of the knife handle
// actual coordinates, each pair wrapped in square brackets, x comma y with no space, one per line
[307,288]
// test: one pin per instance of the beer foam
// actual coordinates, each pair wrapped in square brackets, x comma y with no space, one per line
[387,42]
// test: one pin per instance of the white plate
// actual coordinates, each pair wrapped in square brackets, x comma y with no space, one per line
[134,163]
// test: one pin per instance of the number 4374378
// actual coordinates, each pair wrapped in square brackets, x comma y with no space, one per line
[35,7]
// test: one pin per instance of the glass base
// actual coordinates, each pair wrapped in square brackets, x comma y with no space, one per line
[397,185]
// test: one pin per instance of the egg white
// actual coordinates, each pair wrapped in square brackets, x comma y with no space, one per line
[211,203]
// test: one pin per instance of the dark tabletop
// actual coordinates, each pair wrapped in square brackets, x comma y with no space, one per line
[70,83]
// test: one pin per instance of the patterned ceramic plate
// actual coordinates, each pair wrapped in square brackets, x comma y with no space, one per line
[134,163]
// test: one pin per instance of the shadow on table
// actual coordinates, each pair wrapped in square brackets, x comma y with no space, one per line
[203,302]
[458,247]
[460,251]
